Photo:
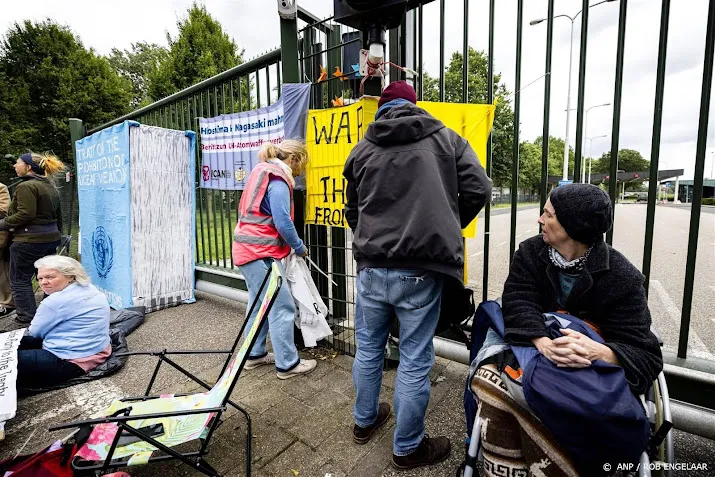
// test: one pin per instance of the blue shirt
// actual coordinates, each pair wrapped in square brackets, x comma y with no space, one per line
[276,203]
[73,323]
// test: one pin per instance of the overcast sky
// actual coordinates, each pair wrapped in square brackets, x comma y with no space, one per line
[254,25]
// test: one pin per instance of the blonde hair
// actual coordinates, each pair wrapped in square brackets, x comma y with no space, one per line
[48,162]
[288,149]
[67,266]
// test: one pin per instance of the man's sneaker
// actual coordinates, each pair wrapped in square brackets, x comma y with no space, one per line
[362,435]
[304,367]
[430,451]
[269,358]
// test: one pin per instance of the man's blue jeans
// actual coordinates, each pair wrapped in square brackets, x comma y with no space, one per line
[281,319]
[414,297]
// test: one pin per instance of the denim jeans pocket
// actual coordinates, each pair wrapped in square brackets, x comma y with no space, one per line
[364,282]
[418,290]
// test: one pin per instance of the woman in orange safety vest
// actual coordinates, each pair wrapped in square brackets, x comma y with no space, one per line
[265,232]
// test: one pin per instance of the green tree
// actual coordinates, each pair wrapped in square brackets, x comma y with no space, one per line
[556,155]
[529,167]
[200,50]
[629,160]
[137,65]
[48,76]
[477,92]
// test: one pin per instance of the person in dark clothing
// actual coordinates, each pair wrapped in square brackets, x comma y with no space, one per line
[412,185]
[570,268]
[35,220]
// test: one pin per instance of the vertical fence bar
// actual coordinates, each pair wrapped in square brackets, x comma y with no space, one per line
[197,177]
[268,84]
[199,192]
[414,49]
[441,50]
[218,194]
[465,60]
[517,106]
[258,90]
[420,94]
[338,238]
[616,129]
[655,145]
[698,183]
[581,91]
[547,108]
[207,196]
[490,100]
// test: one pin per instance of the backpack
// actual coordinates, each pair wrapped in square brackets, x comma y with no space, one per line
[456,309]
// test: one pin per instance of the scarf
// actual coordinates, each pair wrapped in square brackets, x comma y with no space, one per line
[286,168]
[575,265]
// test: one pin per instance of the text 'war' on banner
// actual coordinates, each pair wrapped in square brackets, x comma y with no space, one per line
[230,142]
[332,133]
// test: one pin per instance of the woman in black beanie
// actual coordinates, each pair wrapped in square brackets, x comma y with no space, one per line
[570,268]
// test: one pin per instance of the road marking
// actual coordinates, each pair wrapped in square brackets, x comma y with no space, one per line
[696,346]
[88,399]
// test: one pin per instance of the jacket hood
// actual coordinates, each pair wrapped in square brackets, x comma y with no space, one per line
[401,125]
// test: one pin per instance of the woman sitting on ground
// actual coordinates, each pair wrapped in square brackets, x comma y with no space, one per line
[69,335]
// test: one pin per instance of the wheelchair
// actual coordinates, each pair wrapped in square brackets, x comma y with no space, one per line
[660,449]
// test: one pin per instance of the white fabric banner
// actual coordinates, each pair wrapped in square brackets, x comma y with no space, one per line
[8,376]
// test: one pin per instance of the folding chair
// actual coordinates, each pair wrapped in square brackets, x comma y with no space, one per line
[135,428]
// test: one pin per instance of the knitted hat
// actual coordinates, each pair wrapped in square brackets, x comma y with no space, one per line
[398,89]
[583,210]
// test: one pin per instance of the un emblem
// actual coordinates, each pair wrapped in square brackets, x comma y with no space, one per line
[240,174]
[103,251]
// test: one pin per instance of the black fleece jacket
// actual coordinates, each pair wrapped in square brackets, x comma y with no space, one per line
[608,293]
[413,184]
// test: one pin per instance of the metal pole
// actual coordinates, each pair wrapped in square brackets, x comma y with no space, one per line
[698,183]
[490,100]
[547,108]
[616,128]
[585,134]
[465,60]
[568,108]
[517,105]
[581,92]
[441,50]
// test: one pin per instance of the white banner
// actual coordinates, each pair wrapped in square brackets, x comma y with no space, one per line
[230,142]
[8,375]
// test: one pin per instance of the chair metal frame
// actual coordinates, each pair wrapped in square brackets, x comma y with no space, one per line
[122,417]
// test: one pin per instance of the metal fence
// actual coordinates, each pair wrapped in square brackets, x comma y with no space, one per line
[251,85]
[323,42]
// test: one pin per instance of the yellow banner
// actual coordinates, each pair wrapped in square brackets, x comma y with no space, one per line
[332,133]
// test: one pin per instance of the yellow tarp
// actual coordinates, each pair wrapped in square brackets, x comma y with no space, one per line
[332,133]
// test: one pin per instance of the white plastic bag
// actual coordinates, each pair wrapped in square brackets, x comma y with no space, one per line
[311,312]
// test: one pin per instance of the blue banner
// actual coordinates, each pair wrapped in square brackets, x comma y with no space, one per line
[104,204]
[230,142]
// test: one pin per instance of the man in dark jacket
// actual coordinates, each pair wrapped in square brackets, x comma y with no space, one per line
[413,184]
[570,268]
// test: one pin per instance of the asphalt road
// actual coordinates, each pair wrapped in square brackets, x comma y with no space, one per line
[670,250]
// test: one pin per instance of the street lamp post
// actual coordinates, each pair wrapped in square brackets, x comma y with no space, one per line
[590,158]
[585,131]
[568,93]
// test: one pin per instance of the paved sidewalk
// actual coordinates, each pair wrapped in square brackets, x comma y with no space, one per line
[302,426]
